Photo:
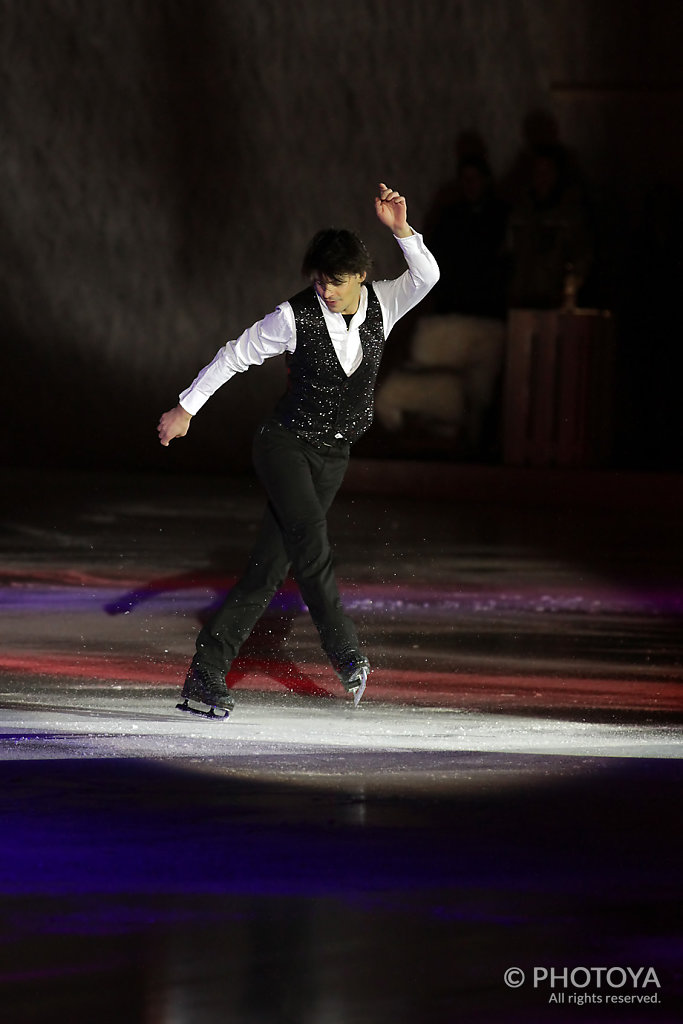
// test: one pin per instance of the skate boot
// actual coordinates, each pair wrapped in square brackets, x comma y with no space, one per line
[353,669]
[205,685]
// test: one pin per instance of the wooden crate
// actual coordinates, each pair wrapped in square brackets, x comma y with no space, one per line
[558,395]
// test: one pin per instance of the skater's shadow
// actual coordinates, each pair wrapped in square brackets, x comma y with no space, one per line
[169,584]
[266,650]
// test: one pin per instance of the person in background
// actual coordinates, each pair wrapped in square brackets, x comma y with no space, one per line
[468,242]
[549,242]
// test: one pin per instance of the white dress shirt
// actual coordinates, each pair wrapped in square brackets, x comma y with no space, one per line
[276,333]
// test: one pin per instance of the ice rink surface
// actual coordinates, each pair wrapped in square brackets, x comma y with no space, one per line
[507,796]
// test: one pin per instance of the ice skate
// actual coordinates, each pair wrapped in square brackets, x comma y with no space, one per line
[353,670]
[205,687]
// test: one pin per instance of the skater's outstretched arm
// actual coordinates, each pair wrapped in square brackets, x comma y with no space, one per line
[392,210]
[272,336]
[403,293]
[174,423]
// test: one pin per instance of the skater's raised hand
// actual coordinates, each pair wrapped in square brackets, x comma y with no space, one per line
[392,210]
[174,423]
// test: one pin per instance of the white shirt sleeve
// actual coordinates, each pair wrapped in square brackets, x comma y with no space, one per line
[272,336]
[397,297]
[276,333]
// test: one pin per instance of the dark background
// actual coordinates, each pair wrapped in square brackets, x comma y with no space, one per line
[164,163]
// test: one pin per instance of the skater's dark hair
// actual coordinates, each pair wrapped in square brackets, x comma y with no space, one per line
[336,253]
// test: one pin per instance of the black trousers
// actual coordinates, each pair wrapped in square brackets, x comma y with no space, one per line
[301,482]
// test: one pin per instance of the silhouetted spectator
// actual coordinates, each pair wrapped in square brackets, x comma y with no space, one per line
[548,237]
[468,242]
[447,389]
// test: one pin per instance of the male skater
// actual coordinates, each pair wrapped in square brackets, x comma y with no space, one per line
[332,334]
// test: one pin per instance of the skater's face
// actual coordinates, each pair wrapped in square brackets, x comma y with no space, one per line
[340,294]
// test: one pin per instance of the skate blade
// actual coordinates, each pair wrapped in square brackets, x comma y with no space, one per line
[359,690]
[206,711]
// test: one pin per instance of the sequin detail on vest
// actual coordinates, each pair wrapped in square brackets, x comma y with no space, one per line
[321,401]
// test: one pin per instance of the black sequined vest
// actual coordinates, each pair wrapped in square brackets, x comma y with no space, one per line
[321,401]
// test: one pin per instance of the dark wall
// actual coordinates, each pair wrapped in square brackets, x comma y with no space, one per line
[164,163]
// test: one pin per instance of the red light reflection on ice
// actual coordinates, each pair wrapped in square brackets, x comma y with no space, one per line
[486,691]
